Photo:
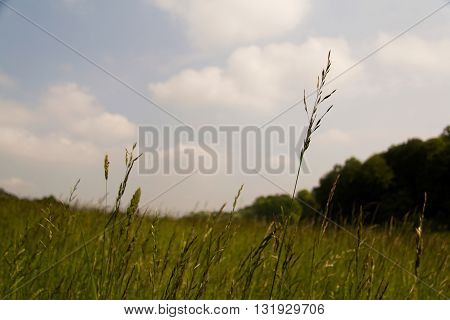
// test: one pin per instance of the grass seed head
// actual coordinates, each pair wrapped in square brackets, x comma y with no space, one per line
[106,166]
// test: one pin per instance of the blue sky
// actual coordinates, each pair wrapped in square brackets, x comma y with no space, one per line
[208,62]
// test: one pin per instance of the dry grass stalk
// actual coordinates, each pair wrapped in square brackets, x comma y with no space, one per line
[314,120]
[106,172]
[419,238]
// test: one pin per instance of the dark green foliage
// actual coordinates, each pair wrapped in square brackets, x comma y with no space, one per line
[392,183]
[5,195]
[308,202]
[273,207]
[446,132]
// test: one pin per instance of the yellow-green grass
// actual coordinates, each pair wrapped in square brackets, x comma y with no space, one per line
[215,257]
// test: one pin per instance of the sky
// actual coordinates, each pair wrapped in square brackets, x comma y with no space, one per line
[215,62]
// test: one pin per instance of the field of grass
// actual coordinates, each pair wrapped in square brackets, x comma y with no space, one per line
[51,250]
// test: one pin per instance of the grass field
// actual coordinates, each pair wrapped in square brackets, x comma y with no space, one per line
[52,250]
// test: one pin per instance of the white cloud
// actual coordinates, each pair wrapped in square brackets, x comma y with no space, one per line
[69,126]
[82,115]
[70,101]
[224,22]
[335,136]
[418,53]
[108,128]
[255,78]
[13,113]
[16,185]
[47,148]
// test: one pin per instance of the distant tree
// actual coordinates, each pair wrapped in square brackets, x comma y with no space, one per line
[393,183]
[446,132]
[409,162]
[272,207]
[348,189]
[325,184]
[6,195]
[437,179]
[308,203]
[376,177]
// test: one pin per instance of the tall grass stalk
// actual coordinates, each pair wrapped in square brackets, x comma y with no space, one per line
[106,172]
[314,122]
[419,247]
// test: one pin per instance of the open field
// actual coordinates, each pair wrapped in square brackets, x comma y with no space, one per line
[221,256]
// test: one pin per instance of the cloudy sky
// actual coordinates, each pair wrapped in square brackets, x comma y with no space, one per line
[208,63]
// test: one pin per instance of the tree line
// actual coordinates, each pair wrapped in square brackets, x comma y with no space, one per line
[388,185]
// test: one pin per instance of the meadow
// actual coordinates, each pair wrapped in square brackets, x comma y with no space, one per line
[54,250]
